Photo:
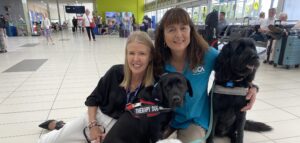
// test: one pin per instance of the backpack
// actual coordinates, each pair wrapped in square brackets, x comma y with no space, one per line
[211,27]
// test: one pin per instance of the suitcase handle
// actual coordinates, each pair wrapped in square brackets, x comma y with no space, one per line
[248,20]
[276,21]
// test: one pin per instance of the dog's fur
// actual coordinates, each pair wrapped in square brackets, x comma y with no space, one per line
[169,92]
[237,62]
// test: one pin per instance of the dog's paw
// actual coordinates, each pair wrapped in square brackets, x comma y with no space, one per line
[169,141]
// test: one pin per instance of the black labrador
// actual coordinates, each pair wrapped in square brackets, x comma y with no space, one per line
[235,70]
[145,120]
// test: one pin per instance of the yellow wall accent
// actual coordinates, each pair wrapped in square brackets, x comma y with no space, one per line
[134,6]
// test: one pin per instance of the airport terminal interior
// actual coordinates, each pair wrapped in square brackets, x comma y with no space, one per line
[42,80]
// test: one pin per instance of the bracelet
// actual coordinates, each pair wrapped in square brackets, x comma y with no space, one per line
[92,126]
[92,123]
[255,86]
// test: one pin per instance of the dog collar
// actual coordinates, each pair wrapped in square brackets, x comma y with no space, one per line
[145,109]
[241,91]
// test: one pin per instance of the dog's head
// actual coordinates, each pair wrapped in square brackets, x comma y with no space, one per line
[171,89]
[237,60]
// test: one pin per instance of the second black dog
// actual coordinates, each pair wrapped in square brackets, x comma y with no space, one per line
[235,70]
[138,126]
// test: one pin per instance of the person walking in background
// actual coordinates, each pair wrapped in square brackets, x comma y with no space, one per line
[99,23]
[3,36]
[46,25]
[222,22]
[75,24]
[133,22]
[87,21]
[126,21]
[147,23]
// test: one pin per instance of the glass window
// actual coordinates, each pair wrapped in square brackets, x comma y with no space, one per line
[196,15]
[239,9]
[292,9]
[265,6]
[230,12]
[249,8]
[275,4]
[190,11]
[203,14]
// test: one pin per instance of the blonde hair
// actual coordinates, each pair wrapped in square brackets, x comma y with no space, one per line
[142,38]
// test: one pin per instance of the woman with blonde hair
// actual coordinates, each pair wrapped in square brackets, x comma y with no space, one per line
[120,85]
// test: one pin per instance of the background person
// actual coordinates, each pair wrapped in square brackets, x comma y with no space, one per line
[46,25]
[222,24]
[75,23]
[86,22]
[3,36]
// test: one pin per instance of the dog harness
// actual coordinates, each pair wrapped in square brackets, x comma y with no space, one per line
[145,109]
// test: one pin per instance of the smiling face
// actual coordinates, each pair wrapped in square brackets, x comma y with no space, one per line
[138,58]
[177,37]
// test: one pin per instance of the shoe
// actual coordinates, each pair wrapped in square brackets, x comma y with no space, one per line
[58,125]
[94,39]
[265,61]
[271,62]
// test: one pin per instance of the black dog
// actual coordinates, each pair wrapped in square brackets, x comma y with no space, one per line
[138,126]
[235,70]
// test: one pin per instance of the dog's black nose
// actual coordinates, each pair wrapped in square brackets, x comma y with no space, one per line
[176,99]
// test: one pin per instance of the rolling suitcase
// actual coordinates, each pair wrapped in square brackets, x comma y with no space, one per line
[287,51]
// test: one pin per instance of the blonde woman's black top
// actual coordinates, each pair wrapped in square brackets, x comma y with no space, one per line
[109,96]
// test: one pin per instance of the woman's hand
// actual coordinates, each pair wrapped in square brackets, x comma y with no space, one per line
[250,96]
[96,134]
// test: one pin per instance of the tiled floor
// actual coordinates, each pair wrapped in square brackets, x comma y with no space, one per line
[73,67]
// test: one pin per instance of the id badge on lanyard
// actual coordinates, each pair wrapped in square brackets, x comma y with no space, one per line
[131,98]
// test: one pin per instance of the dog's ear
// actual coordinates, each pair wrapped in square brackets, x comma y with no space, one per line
[190,90]
[157,92]
[146,93]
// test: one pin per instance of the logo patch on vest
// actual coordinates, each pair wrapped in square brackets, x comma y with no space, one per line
[198,70]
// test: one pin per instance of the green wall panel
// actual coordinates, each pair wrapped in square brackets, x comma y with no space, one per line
[134,6]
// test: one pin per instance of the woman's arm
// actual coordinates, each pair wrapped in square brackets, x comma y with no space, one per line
[95,132]
[253,90]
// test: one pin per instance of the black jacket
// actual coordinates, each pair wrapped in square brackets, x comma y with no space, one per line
[109,96]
